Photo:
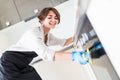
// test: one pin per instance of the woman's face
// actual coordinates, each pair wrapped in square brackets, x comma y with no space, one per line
[50,21]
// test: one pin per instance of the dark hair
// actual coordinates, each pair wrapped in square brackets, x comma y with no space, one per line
[44,12]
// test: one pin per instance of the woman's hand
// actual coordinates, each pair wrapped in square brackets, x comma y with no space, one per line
[80,57]
[69,40]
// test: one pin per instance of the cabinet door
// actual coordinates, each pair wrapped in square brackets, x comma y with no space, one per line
[101,17]
[104,15]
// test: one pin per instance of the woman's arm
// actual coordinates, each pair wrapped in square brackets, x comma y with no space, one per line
[73,56]
[69,40]
[62,56]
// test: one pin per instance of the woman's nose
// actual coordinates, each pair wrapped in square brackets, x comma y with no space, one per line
[54,20]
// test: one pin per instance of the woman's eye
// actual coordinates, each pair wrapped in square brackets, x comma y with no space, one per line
[56,18]
[52,17]
[49,18]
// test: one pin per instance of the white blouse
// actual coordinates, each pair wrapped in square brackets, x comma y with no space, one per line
[33,40]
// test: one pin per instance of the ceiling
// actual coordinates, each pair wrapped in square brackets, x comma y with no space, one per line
[13,11]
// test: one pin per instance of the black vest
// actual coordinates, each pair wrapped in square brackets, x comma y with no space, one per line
[14,65]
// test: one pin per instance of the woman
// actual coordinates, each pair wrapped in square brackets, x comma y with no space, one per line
[14,63]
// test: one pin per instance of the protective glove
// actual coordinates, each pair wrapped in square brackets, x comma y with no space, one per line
[80,57]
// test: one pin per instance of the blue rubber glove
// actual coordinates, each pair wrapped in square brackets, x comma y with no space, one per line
[80,57]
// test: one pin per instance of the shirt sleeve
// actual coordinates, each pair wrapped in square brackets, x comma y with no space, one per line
[33,40]
[53,40]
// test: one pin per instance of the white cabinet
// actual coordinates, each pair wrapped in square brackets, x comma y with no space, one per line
[104,19]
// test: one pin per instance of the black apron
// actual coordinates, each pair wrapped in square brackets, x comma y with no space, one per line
[14,65]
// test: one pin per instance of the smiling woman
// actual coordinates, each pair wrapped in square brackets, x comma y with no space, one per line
[49,17]
[14,63]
